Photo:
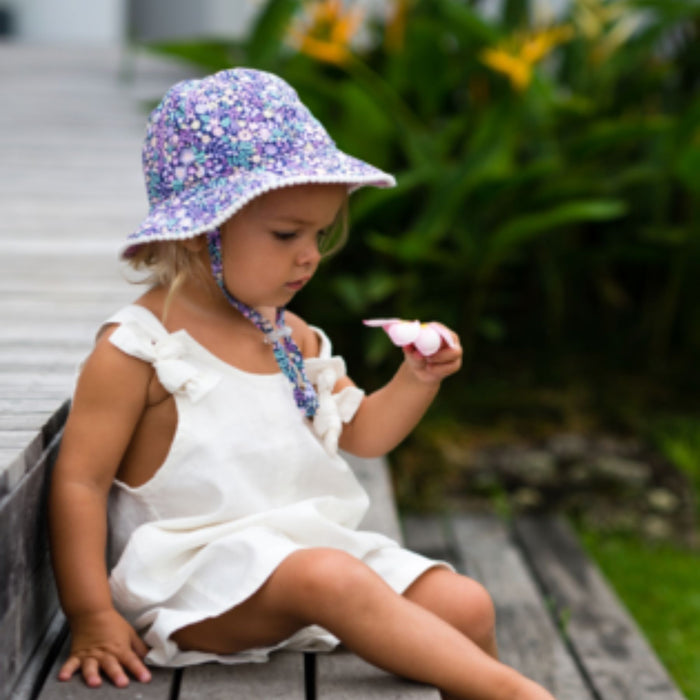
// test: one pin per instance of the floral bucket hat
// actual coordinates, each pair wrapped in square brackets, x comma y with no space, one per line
[216,143]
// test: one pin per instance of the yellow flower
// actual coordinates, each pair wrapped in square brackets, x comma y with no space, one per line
[607,25]
[326,29]
[518,71]
[396,25]
[516,58]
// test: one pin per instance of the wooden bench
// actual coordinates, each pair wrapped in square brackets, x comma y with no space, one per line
[34,638]
[558,621]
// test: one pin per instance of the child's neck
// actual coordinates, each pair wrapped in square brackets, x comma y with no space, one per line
[201,303]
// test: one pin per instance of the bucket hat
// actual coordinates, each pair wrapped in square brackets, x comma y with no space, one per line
[216,143]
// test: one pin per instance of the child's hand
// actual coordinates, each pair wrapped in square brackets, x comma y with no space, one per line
[106,642]
[435,367]
[432,350]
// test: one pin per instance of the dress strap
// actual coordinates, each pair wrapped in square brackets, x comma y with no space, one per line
[333,409]
[141,335]
[325,351]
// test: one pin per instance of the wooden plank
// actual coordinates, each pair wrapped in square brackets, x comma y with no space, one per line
[282,677]
[429,535]
[18,457]
[23,422]
[17,405]
[607,642]
[528,640]
[34,672]
[343,676]
[28,600]
[19,452]
[21,439]
[160,688]
[374,476]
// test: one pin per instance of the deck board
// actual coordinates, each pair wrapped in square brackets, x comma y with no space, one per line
[281,678]
[604,637]
[527,637]
[480,546]
[70,191]
[343,676]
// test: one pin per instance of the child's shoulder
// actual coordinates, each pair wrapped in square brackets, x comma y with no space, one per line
[304,335]
[109,372]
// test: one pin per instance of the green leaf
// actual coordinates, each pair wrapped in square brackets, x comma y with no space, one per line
[359,293]
[269,31]
[528,227]
[464,20]
[490,157]
[687,167]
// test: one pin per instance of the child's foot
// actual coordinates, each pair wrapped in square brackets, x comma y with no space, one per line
[532,691]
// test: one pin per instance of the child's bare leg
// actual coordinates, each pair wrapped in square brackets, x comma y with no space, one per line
[332,589]
[460,601]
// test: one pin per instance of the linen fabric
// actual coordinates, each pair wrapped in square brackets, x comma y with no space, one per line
[247,481]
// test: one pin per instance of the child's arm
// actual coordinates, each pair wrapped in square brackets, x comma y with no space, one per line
[109,400]
[388,415]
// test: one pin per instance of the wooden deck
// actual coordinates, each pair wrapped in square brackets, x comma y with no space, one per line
[70,190]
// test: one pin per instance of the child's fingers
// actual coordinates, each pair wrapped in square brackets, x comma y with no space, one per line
[136,667]
[90,669]
[91,672]
[71,665]
[138,645]
[114,671]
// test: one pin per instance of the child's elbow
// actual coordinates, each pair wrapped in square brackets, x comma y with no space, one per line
[360,446]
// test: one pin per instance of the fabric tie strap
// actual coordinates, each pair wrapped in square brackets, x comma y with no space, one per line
[165,353]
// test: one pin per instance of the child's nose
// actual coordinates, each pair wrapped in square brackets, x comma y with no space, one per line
[309,255]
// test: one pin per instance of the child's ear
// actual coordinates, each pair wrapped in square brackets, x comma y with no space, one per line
[196,244]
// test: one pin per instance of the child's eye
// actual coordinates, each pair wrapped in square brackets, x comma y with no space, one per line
[284,235]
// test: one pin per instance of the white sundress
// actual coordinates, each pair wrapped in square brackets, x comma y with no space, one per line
[247,481]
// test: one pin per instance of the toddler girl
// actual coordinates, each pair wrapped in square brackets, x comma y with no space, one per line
[207,420]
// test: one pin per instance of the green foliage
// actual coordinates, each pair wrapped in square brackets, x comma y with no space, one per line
[659,586]
[678,438]
[553,222]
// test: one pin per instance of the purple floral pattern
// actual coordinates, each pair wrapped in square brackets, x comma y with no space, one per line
[214,144]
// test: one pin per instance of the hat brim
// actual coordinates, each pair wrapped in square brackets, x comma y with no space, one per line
[203,209]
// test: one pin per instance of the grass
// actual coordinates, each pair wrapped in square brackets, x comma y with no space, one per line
[678,437]
[660,585]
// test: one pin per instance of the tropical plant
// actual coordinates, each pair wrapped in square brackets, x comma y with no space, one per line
[548,172]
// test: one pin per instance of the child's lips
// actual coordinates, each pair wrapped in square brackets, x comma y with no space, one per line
[298,284]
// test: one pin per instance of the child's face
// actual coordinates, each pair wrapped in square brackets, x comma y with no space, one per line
[270,248]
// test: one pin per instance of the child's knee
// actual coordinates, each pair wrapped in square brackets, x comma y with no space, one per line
[324,576]
[477,611]
[484,610]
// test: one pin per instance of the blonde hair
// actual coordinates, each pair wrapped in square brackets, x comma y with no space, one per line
[170,264]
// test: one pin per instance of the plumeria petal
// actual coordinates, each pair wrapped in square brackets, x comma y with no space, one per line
[444,334]
[403,332]
[426,337]
[428,341]
[380,322]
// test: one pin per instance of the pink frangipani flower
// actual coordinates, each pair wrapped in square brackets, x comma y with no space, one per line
[427,338]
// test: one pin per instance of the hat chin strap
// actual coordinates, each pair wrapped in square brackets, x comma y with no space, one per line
[279,335]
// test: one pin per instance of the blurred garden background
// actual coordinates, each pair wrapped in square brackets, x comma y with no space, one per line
[548,209]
